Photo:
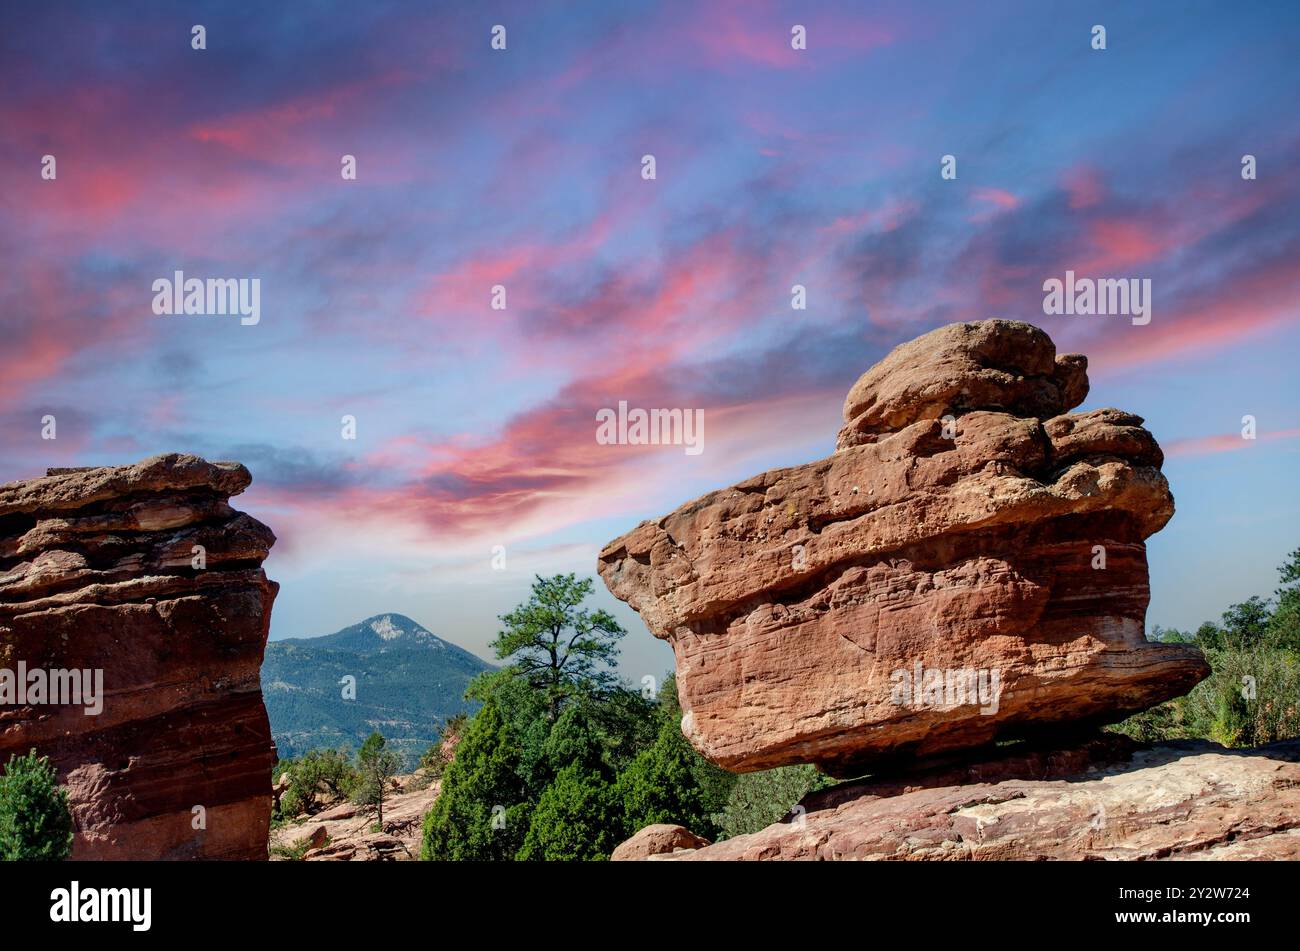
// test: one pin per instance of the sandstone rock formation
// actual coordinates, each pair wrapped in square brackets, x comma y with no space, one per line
[968,565]
[1191,800]
[146,573]
[658,840]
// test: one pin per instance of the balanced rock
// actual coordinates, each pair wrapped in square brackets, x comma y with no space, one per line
[144,579]
[967,566]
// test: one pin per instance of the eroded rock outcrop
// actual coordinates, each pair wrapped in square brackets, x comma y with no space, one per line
[146,573]
[968,565]
[1191,800]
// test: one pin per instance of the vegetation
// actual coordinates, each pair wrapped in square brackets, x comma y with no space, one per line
[562,762]
[561,648]
[295,851]
[376,766]
[482,810]
[435,759]
[35,822]
[759,799]
[1252,696]
[315,776]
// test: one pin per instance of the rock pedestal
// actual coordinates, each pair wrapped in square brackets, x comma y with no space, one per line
[1186,801]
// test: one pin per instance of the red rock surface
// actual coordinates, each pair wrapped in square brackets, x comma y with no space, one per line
[1177,801]
[345,832]
[658,840]
[96,573]
[795,600]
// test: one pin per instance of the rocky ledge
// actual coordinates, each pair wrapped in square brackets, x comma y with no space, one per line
[1102,800]
[345,832]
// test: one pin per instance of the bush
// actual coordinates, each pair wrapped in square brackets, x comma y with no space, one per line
[35,822]
[318,774]
[577,818]
[759,799]
[660,786]
[1252,695]
[481,812]
[1251,698]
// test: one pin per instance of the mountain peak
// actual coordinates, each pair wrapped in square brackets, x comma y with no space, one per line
[389,627]
[382,632]
[414,680]
[379,632]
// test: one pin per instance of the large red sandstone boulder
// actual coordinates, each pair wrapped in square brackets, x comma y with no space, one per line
[98,572]
[968,565]
[1180,801]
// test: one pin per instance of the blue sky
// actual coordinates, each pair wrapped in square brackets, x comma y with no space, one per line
[522,167]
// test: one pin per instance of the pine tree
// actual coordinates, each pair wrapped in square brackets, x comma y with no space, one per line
[375,767]
[561,648]
[35,822]
[481,812]
[577,819]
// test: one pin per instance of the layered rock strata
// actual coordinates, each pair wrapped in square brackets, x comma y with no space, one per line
[968,565]
[146,575]
[1186,801]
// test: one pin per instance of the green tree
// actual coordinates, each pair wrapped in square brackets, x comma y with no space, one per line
[573,740]
[375,767]
[560,647]
[660,785]
[547,765]
[714,782]
[1284,625]
[481,812]
[316,774]
[35,822]
[577,818]
[625,723]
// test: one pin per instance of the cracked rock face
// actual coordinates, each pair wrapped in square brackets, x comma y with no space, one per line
[98,572]
[1187,801]
[968,565]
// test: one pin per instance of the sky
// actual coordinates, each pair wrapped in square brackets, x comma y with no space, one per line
[523,167]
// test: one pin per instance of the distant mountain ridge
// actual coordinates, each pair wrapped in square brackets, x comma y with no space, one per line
[381,632]
[409,682]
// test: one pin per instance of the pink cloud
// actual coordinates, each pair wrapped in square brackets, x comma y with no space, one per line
[995,201]
[1228,442]
[732,33]
[1083,186]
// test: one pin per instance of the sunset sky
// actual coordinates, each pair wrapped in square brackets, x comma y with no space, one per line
[476,427]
